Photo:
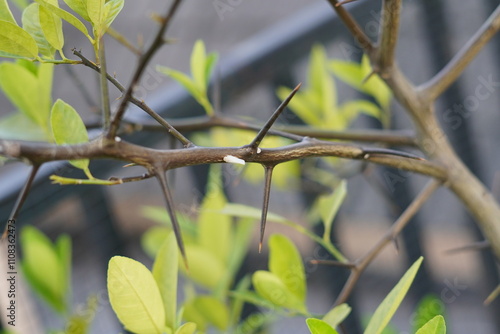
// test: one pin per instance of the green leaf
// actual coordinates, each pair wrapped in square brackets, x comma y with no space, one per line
[391,302]
[68,129]
[329,206]
[16,41]
[237,304]
[428,307]
[286,263]
[317,326]
[436,325]
[81,321]
[95,10]
[21,4]
[213,311]
[135,297]
[351,109]
[320,80]
[5,13]
[210,62]
[31,23]
[165,269]
[337,314]
[22,88]
[187,328]
[70,18]
[52,27]
[63,250]
[198,59]
[111,9]
[375,86]
[18,126]
[153,239]
[43,268]
[272,288]
[204,267]
[190,86]
[79,7]
[301,105]
[245,211]
[214,228]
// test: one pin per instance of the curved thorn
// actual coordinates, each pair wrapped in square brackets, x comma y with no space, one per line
[268,169]
[21,198]
[262,133]
[162,179]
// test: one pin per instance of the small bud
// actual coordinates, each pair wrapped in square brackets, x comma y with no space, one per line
[234,160]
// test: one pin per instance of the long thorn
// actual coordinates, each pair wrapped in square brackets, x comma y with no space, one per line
[262,133]
[268,169]
[21,198]
[162,179]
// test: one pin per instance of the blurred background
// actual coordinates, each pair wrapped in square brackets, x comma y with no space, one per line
[263,45]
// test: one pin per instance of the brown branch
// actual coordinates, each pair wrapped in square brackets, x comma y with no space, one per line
[143,61]
[353,27]
[170,159]
[391,234]
[388,37]
[105,105]
[449,74]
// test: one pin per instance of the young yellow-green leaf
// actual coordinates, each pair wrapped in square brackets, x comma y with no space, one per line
[302,106]
[190,86]
[375,86]
[427,308]
[210,62]
[153,239]
[21,4]
[245,211]
[322,84]
[286,263]
[16,41]
[43,267]
[204,267]
[5,13]
[272,288]
[18,126]
[214,228]
[111,9]
[436,325]
[165,269]
[79,7]
[52,27]
[317,326]
[187,328]
[329,206]
[213,311]
[391,302]
[70,18]
[198,59]
[96,11]
[337,314]
[31,23]
[64,251]
[22,88]
[68,129]
[135,297]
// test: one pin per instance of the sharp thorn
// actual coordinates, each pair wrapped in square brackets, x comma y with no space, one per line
[162,179]
[268,169]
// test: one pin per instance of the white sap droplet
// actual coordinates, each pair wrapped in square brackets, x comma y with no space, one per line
[118,139]
[258,150]
[233,160]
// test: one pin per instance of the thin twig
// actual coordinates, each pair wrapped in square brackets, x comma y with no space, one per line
[143,61]
[390,235]
[141,104]
[123,41]
[353,27]
[476,246]
[262,133]
[21,198]
[334,263]
[449,74]
[105,104]
[391,13]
